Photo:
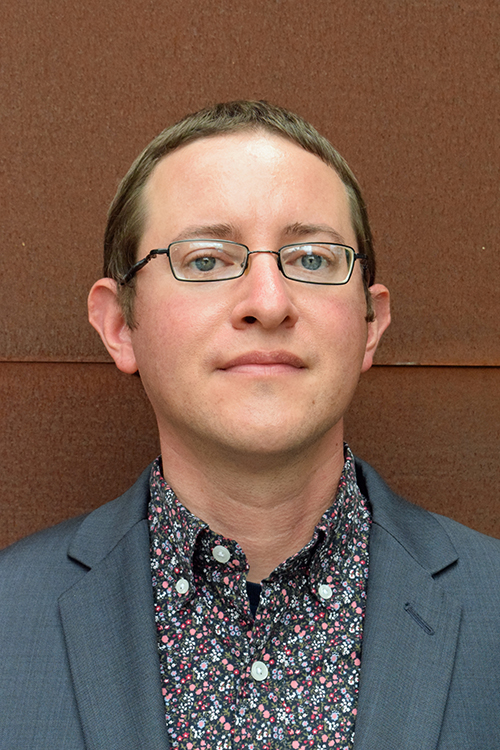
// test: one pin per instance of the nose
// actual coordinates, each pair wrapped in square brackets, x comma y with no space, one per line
[264,295]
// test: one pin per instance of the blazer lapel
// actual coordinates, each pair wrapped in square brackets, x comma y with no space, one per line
[110,634]
[410,632]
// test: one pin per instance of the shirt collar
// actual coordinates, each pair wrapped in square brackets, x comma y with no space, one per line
[189,541]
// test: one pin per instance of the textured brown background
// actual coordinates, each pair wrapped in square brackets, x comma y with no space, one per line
[408,92]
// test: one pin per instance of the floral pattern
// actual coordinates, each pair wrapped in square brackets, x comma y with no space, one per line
[287,678]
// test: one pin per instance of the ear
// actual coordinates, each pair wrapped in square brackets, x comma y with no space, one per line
[381,302]
[106,315]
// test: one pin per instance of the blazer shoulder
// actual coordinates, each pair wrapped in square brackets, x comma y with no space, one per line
[434,540]
[478,553]
[57,556]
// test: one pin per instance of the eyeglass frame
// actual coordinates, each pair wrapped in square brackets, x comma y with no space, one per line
[166,251]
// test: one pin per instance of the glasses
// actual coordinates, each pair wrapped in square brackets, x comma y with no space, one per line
[218,260]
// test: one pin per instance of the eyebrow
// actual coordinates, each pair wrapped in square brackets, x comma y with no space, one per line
[306,230]
[208,231]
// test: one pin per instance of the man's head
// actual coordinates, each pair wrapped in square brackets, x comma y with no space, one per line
[260,363]
[127,212]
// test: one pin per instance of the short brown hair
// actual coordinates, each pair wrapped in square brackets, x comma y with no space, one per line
[126,214]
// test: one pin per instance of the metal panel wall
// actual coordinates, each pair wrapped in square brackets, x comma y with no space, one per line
[409,94]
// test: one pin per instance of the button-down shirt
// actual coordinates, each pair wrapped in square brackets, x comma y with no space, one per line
[286,678]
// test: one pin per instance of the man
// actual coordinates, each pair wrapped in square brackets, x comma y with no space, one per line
[255,588]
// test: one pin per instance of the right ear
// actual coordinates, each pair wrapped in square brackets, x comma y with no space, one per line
[106,315]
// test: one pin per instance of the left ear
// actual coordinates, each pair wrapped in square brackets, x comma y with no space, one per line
[381,303]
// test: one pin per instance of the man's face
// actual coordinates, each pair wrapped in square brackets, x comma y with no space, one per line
[259,364]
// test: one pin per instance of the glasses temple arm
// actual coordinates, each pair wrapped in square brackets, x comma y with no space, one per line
[137,267]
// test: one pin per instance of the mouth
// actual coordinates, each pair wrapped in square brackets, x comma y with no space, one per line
[261,362]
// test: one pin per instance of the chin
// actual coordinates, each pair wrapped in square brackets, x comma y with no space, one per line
[268,440]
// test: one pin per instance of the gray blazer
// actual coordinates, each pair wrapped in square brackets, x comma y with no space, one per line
[79,663]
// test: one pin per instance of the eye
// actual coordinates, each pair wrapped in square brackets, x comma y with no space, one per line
[205,263]
[312,258]
[311,261]
[206,260]
[316,263]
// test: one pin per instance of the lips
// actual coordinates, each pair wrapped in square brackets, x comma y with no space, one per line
[260,358]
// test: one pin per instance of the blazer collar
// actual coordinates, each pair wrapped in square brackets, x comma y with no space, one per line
[411,625]
[106,526]
[415,529]
[109,628]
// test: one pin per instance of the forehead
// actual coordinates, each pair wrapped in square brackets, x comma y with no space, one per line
[248,176]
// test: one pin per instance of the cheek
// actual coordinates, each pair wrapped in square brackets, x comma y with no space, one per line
[343,330]
[172,329]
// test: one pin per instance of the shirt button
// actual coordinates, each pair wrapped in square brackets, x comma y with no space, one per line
[325,591]
[182,586]
[259,671]
[221,554]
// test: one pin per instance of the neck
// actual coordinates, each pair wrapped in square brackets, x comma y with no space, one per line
[269,505]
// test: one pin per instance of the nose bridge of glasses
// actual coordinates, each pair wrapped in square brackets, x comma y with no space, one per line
[263,252]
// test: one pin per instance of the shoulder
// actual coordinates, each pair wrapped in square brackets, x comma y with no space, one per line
[426,535]
[478,565]
[56,557]
[409,544]
[39,564]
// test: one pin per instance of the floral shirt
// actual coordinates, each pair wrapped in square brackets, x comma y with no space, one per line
[286,678]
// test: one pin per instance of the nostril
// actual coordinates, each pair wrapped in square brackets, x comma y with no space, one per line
[249,319]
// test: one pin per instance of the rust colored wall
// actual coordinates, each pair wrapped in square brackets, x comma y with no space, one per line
[409,94]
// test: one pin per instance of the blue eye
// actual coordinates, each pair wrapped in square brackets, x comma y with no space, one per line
[311,262]
[205,263]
